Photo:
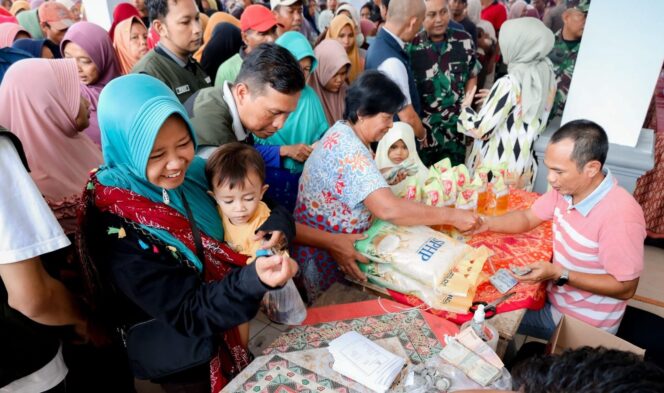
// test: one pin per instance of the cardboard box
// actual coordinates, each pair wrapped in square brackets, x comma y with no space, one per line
[572,333]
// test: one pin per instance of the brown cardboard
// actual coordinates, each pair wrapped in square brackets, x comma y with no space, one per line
[572,333]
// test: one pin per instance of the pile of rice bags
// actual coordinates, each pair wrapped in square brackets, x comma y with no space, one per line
[417,260]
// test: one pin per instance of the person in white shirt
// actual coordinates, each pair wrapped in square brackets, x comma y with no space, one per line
[30,299]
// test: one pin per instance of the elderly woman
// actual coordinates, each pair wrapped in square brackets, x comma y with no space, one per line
[341,189]
[517,106]
[153,245]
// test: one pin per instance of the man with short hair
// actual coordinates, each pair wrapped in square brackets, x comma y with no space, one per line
[258,26]
[388,55]
[445,66]
[288,14]
[566,49]
[54,20]
[459,15]
[258,103]
[178,25]
[598,234]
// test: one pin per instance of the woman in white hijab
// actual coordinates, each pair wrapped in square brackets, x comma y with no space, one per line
[391,153]
[517,106]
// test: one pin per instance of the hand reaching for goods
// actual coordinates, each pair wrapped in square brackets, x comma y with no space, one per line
[466,221]
[343,251]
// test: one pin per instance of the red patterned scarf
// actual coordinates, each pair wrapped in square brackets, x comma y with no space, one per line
[232,356]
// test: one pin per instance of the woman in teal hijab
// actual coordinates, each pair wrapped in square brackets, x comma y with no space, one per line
[304,127]
[153,235]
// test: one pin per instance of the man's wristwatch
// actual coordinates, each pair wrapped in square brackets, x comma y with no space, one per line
[564,277]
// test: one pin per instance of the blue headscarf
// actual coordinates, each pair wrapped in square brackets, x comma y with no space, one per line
[9,56]
[307,123]
[34,47]
[132,109]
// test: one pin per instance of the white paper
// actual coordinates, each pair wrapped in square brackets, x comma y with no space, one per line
[364,361]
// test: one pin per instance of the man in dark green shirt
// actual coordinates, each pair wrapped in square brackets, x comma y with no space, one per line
[180,32]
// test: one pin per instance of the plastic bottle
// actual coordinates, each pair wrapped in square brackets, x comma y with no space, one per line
[482,328]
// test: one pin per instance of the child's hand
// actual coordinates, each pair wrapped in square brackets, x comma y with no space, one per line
[277,240]
[276,270]
[401,176]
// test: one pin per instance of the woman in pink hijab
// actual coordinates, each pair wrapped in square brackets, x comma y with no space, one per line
[93,51]
[10,32]
[43,106]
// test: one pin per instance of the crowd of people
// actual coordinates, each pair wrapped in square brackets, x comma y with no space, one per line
[149,166]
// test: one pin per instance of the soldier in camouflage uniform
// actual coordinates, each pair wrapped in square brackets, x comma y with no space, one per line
[566,48]
[444,64]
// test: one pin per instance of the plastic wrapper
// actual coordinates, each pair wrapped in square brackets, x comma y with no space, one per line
[408,165]
[413,191]
[483,173]
[478,183]
[421,254]
[448,182]
[459,380]
[284,305]
[467,199]
[443,165]
[499,186]
[433,192]
[510,177]
[462,176]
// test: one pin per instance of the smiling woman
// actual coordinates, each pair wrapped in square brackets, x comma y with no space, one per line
[153,247]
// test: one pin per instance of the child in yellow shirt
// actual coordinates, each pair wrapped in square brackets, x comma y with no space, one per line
[236,172]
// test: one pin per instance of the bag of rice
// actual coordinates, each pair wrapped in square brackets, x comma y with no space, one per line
[418,252]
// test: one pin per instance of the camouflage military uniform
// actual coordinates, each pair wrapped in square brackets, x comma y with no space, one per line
[563,56]
[441,71]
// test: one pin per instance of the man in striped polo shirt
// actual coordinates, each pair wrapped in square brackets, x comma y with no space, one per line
[598,233]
